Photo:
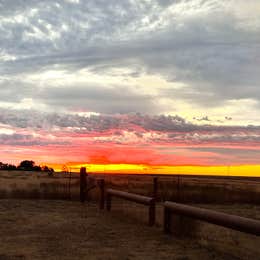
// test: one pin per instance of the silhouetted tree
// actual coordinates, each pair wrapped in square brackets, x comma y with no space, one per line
[6,166]
[11,167]
[50,171]
[37,168]
[27,165]
[45,168]
[2,165]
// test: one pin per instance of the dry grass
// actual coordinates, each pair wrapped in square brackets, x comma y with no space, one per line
[189,189]
[197,189]
[42,223]
[68,230]
[35,185]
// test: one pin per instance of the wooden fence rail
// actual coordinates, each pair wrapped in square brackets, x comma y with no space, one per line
[148,201]
[242,224]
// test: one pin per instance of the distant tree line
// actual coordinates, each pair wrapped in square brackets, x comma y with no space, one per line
[26,165]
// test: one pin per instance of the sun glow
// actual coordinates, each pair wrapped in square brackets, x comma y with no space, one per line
[237,170]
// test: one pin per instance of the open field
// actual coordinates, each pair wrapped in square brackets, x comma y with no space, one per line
[33,229]
[188,189]
[42,222]
[37,185]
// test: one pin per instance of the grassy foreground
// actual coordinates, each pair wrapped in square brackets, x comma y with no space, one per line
[33,229]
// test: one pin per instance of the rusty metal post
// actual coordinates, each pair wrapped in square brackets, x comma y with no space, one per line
[101,184]
[151,221]
[109,198]
[83,184]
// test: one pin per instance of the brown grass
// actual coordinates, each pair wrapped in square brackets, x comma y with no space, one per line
[188,189]
[191,189]
[219,194]
[68,230]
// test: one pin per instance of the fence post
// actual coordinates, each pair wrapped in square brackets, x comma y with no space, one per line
[155,188]
[167,221]
[83,184]
[101,184]
[109,197]
[152,213]
[178,199]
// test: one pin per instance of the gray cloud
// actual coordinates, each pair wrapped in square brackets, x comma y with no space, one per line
[101,99]
[27,140]
[202,44]
[12,90]
[163,129]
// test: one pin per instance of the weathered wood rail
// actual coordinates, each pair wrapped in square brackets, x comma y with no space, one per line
[242,224]
[235,222]
[148,201]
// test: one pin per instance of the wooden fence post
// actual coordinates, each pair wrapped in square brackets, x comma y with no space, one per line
[178,198]
[167,221]
[152,209]
[83,184]
[152,213]
[109,198]
[101,184]
[155,188]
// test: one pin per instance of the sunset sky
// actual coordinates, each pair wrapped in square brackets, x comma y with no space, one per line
[149,83]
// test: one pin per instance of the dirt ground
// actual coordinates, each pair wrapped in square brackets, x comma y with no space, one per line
[44,229]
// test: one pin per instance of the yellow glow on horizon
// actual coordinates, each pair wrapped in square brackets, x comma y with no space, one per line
[237,170]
